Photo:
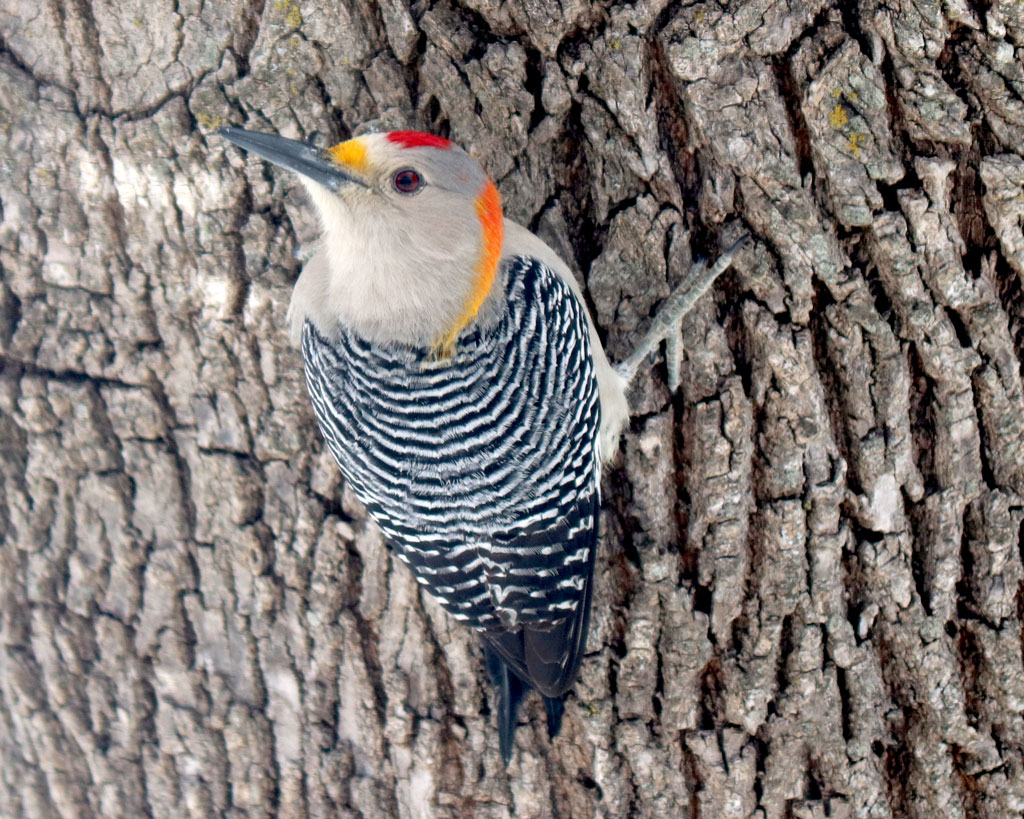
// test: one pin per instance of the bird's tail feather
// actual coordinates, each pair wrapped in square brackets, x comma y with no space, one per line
[510,693]
[511,690]
[554,706]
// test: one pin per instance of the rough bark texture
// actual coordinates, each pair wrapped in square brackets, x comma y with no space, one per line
[809,589]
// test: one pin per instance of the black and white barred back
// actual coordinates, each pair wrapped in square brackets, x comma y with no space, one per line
[482,469]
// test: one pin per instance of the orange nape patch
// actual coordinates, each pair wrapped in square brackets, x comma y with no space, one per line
[350,154]
[488,211]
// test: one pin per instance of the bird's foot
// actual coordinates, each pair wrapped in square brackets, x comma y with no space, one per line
[667,324]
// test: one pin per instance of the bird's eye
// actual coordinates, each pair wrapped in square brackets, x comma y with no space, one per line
[406,181]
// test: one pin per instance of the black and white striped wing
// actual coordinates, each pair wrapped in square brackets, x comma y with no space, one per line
[554,564]
[482,472]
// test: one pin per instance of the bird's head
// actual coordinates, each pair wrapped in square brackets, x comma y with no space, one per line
[412,230]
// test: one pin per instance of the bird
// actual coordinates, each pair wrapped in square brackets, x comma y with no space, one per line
[462,387]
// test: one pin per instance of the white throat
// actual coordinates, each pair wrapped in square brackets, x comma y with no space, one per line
[387,277]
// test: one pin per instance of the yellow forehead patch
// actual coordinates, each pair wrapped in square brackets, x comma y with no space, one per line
[351,154]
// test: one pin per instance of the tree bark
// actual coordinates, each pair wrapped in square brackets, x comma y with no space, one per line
[809,587]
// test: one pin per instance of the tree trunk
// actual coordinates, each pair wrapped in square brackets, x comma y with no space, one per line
[809,589]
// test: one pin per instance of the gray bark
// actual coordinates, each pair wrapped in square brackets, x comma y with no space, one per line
[809,588]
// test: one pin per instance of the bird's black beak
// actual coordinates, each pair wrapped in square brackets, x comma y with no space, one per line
[301,157]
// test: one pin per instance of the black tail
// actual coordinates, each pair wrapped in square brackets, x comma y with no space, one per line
[510,693]
[554,706]
[538,653]
[511,690]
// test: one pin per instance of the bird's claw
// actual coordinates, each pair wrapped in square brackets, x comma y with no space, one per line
[667,324]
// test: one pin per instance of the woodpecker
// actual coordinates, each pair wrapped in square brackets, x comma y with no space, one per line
[462,388]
